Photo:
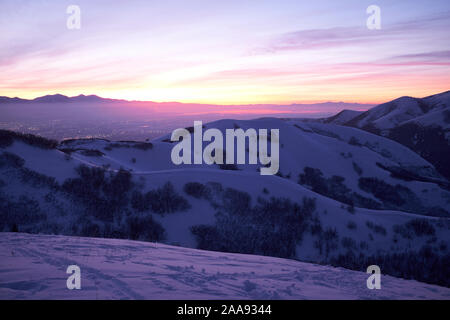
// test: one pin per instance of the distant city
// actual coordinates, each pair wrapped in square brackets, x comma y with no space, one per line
[60,117]
[111,130]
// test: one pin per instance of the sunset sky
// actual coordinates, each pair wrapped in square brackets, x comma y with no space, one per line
[226,52]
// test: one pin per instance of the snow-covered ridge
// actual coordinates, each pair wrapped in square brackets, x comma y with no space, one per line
[342,117]
[34,267]
[421,124]
[335,150]
[405,109]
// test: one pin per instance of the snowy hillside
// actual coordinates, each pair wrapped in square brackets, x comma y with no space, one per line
[399,111]
[343,197]
[348,153]
[421,124]
[34,267]
[342,117]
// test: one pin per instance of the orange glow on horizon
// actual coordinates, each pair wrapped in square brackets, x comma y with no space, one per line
[372,96]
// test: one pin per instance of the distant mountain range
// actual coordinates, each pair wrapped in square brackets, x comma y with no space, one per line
[57,98]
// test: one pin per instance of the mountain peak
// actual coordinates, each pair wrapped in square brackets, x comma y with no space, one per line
[52,98]
[62,98]
[87,98]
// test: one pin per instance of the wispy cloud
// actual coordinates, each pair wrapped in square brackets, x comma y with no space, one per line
[425,56]
[326,38]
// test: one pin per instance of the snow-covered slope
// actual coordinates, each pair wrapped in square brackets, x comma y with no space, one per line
[399,111]
[421,124]
[335,150]
[342,117]
[34,267]
[335,231]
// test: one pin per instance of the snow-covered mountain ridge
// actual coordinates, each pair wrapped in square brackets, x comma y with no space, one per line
[421,124]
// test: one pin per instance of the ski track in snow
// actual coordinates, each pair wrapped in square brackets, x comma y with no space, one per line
[34,267]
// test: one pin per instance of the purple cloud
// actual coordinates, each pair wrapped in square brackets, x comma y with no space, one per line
[347,36]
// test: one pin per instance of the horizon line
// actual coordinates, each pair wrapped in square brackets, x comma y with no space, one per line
[194,103]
